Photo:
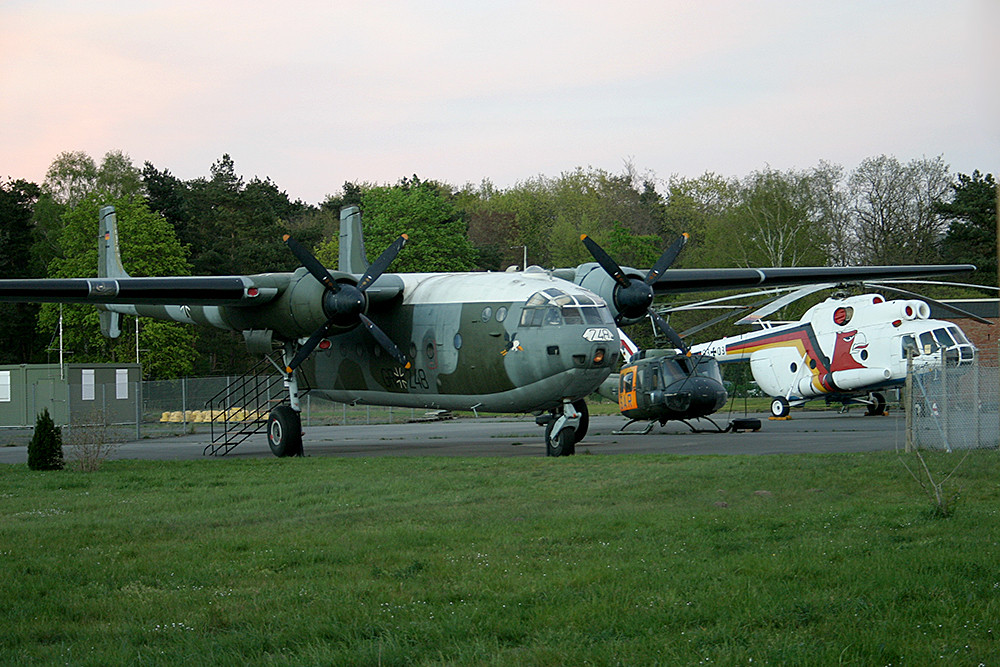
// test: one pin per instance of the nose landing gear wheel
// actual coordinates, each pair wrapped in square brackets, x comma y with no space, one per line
[780,407]
[284,432]
[560,444]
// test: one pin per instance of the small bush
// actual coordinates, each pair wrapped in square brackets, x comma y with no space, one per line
[92,443]
[45,449]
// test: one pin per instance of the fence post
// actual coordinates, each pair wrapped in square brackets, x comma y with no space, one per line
[138,410]
[909,401]
[976,398]
[184,403]
[944,400]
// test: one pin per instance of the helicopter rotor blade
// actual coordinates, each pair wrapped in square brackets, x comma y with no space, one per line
[934,302]
[668,331]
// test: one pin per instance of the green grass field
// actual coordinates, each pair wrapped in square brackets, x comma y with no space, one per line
[635,560]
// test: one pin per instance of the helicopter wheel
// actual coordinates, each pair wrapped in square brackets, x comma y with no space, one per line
[877,406]
[780,407]
[581,430]
[284,432]
[560,444]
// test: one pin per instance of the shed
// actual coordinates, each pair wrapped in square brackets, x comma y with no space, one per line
[73,393]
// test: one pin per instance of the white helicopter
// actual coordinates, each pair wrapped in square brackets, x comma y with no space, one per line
[847,349]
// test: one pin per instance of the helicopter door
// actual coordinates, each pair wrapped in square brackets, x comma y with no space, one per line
[627,388]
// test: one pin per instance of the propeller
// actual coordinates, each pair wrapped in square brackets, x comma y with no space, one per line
[344,304]
[633,297]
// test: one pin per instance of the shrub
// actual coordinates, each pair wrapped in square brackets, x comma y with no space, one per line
[45,449]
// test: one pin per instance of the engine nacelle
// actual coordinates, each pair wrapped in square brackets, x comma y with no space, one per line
[913,309]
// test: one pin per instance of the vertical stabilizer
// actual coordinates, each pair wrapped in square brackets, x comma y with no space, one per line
[109,265]
[352,242]
[109,261]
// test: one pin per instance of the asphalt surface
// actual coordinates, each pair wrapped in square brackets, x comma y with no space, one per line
[806,432]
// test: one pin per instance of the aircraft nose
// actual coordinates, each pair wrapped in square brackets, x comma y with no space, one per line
[707,395]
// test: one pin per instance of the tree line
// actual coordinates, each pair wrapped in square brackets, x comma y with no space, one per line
[883,212]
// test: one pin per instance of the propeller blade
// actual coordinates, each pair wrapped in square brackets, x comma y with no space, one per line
[385,341]
[382,263]
[666,259]
[668,331]
[312,264]
[308,347]
[934,302]
[609,265]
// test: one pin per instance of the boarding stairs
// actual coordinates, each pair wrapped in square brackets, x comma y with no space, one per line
[241,409]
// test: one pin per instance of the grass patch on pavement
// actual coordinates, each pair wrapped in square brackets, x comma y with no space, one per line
[804,559]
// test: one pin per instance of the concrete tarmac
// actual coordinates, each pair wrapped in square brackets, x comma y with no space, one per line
[806,432]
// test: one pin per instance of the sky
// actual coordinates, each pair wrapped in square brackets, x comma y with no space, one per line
[316,94]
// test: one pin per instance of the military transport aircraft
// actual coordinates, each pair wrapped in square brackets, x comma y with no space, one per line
[533,341]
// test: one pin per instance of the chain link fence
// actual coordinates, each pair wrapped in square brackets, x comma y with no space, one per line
[181,406]
[955,407]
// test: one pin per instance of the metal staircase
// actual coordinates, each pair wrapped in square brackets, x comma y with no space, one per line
[241,409]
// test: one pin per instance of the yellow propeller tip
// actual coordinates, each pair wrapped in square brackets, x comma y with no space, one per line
[583,236]
[405,236]
[286,237]
[288,369]
[686,235]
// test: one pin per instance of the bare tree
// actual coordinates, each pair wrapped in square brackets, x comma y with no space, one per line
[893,208]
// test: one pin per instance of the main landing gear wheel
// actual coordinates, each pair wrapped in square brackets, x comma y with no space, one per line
[560,444]
[877,405]
[284,432]
[780,407]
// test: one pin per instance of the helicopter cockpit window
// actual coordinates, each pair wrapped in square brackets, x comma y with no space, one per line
[958,335]
[944,338]
[927,343]
[553,307]
[627,381]
[908,342]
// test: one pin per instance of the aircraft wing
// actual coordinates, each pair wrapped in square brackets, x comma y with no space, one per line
[677,281]
[176,290]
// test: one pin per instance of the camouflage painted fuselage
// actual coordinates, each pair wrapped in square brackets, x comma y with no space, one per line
[483,341]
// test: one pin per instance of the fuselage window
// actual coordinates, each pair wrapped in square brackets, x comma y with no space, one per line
[458,341]
[487,314]
[501,313]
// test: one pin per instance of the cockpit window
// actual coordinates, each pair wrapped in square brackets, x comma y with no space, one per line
[908,342]
[678,367]
[927,343]
[943,337]
[553,306]
[958,335]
